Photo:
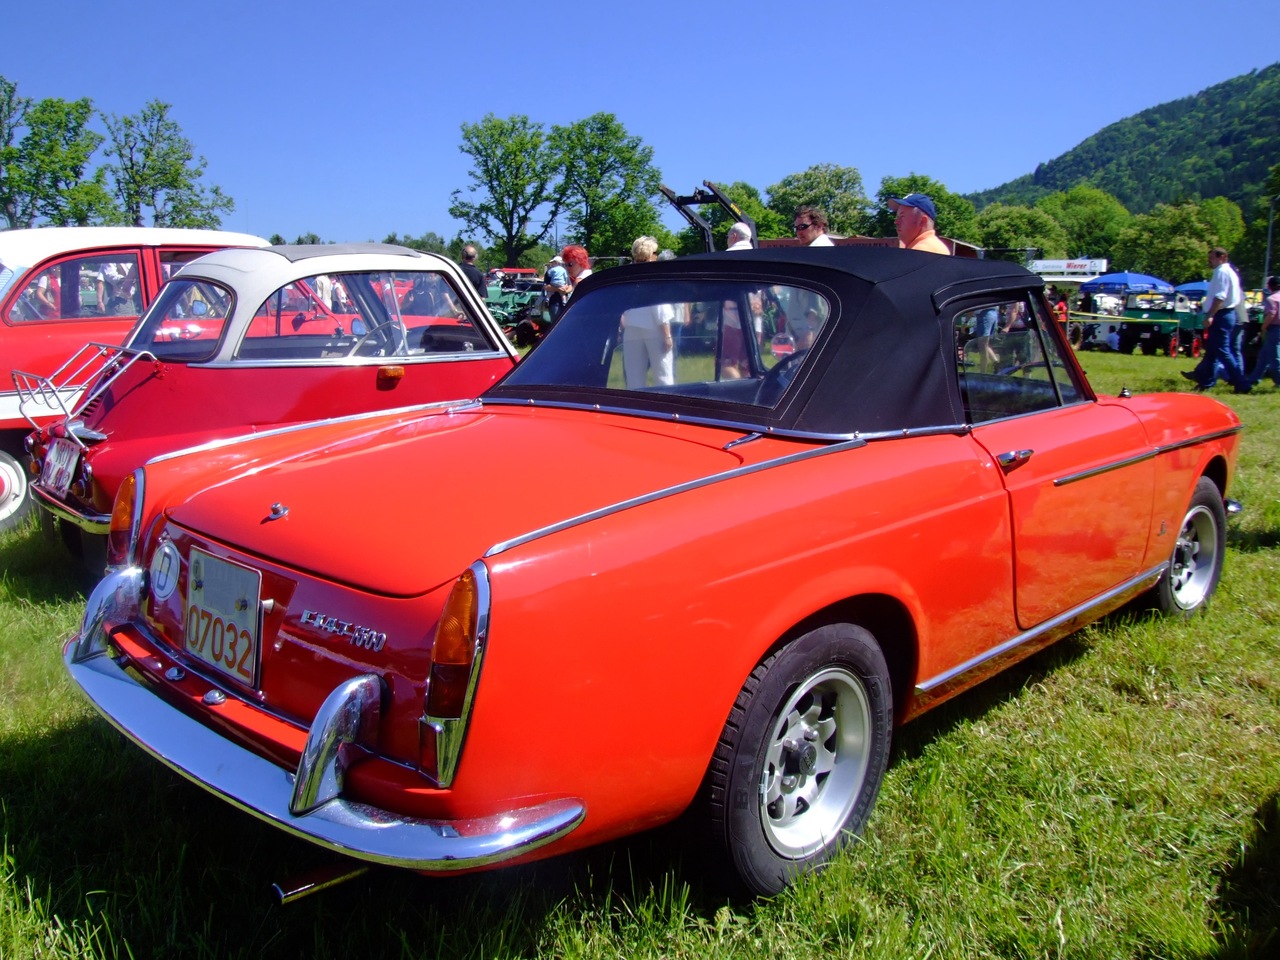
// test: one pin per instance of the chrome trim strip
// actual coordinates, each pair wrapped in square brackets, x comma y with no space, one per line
[262,789]
[450,406]
[621,505]
[99,523]
[1203,438]
[1064,623]
[738,426]
[1105,468]
[451,732]
[391,360]
[1154,452]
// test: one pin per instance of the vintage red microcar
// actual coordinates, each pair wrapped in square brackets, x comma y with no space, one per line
[729,576]
[62,287]
[245,340]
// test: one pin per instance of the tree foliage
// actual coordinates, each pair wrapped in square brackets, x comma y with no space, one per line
[1219,142]
[1021,232]
[837,190]
[607,183]
[957,218]
[515,174]
[1170,242]
[769,223]
[13,112]
[1091,218]
[44,172]
[1224,220]
[156,172]
[429,242]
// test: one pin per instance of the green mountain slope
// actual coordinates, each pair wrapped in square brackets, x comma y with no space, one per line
[1220,142]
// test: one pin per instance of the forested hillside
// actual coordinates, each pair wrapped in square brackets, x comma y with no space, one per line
[1219,142]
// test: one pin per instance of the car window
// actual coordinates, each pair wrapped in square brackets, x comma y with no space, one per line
[171,261]
[186,322]
[1007,364]
[79,288]
[732,341]
[363,314]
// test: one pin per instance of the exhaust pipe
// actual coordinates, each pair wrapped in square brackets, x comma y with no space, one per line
[314,881]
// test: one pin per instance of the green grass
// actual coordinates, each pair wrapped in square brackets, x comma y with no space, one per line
[1116,796]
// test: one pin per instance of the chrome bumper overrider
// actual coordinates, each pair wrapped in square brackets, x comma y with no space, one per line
[271,793]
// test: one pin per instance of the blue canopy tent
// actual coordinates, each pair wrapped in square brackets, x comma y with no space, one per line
[1123,283]
[1195,289]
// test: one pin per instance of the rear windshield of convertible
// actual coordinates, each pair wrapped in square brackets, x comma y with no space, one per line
[735,341]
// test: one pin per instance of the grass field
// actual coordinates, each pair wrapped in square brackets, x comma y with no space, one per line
[1117,796]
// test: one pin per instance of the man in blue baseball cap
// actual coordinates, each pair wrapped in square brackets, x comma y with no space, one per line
[914,216]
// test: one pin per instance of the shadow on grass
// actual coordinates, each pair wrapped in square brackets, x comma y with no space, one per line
[111,840]
[1252,541]
[1249,892]
[38,569]
[911,740]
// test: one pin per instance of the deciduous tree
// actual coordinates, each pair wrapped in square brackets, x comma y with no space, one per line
[1021,232]
[44,172]
[157,172]
[515,175]
[957,218]
[1171,243]
[607,182]
[1092,219]
[13,112]
[837,190]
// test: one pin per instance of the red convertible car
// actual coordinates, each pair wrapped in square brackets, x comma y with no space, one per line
[245,340]
[727,585]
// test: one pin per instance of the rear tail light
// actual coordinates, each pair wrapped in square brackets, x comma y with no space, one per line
[125,515]
[456,656]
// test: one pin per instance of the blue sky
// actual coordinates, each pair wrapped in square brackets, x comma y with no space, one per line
[343,118]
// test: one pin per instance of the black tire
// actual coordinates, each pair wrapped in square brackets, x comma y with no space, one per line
[1195,565]
[15,501]
[801,757]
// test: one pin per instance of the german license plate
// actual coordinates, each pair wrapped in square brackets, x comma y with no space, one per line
[59,466]
[1145,336]
[223,627]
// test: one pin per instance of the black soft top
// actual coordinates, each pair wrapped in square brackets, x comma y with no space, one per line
[886,363]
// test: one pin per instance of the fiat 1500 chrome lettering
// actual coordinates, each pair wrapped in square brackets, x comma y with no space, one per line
[365,637]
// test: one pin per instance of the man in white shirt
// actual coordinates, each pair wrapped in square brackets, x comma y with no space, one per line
[1221,304]
[811,227]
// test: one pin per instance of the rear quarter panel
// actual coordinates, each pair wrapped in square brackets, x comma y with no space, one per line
[617,647]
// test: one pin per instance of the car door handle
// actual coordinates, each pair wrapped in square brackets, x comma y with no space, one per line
[1013,458]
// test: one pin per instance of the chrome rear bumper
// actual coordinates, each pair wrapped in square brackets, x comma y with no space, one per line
[273,794]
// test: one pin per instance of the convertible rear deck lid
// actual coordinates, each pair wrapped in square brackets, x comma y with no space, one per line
[393,514]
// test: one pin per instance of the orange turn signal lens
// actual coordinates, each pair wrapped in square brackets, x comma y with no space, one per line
[456,635]
[122,516]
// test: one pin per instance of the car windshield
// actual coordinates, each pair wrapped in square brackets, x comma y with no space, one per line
[185,323]
[733,341]
[319,317]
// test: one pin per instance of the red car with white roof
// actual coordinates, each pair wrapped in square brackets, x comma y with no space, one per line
[62,287]
[242,341]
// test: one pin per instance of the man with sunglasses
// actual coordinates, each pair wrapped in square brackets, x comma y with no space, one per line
[811,227]
[914,217]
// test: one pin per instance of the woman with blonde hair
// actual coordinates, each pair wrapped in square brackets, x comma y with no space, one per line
[647,341]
